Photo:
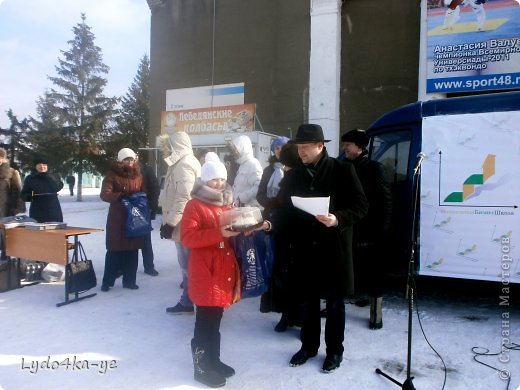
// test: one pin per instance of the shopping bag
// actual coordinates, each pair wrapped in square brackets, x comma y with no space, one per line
[138,221]
[252,253]
[80,275]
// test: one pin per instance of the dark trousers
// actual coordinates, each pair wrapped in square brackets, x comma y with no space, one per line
[147,252]
[207,324]
[124,261]
[334,325]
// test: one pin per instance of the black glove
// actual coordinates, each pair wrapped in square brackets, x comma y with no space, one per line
[166,231]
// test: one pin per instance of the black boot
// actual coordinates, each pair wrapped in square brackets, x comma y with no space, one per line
[219,367]
[282,325]
[203,367]
[376,313]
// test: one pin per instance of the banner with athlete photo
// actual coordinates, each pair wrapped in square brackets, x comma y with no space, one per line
[473,45]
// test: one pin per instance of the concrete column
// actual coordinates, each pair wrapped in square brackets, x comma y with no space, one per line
[325,65]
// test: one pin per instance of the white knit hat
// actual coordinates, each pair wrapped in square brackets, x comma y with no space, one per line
[213,168]
[125,153]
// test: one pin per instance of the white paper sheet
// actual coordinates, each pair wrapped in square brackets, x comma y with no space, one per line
[314,206]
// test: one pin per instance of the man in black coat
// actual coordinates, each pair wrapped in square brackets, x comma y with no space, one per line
[321,244]
[371,232]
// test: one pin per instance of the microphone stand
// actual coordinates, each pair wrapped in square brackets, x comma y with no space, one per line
[410,283]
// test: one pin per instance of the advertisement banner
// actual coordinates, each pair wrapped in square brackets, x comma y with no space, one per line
[473,45]
[470,188]
[210,120]
[206,96]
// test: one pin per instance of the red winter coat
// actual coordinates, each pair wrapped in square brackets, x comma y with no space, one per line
[119,182]
[212,267]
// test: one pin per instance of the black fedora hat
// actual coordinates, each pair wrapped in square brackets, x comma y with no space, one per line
[308,133]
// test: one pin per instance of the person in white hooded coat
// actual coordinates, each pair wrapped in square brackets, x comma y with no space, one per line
[183,170]
[249,174]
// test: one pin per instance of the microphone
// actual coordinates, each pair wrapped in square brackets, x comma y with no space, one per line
[420,158]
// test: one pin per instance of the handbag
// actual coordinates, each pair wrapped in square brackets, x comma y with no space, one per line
[80,275]
[254,258]
[138,221]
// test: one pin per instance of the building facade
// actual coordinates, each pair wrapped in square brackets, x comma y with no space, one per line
[337,63]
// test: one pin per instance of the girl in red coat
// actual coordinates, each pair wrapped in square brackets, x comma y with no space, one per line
[212,268]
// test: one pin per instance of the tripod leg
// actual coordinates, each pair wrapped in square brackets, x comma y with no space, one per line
[408,385]
[378,371]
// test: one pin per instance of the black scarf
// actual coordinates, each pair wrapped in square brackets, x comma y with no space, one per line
[312,168]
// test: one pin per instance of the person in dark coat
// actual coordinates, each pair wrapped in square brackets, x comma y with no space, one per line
[271,177]
[10,201]
[71,181]
[10,187]
[41,189]
[282,297]
[321,244]
[152,185]
[123,179]
[231,165]
[267,197]
[371,232]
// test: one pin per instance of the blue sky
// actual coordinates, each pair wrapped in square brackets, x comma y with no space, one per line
[33,32]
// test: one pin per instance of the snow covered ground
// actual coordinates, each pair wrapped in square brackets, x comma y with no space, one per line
[123,339]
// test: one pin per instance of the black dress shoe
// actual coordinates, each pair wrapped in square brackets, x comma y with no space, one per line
[282,325]
[151,272]
[131,286]
[375,325]
[301,357]
[332,362]
[104,288]
[362,302]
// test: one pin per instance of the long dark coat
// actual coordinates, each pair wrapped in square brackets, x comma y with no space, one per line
[118,182]
[371,233]
[10,187]
[374,226]
[41,189]
[322,256]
